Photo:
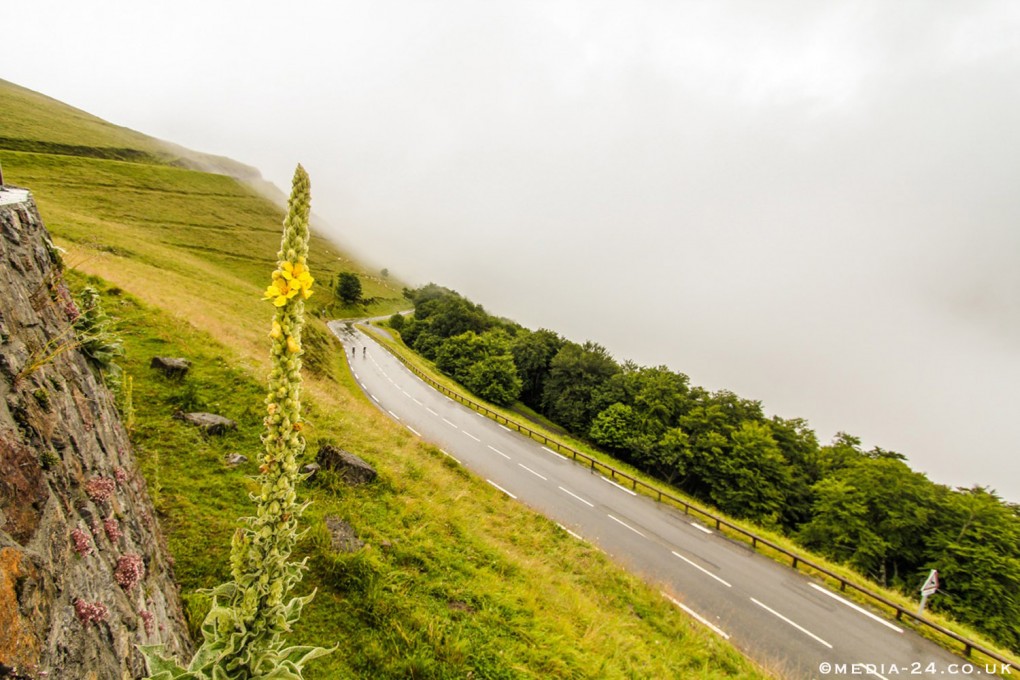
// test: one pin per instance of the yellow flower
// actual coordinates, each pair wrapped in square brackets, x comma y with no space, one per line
[279,291]
[298,276]
[277,330]
[289,280]
[292,345]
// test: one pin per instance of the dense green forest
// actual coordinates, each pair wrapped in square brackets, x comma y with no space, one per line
[865,508]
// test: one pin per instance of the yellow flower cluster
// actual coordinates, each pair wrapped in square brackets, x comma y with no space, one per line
[288,281]
[293,346]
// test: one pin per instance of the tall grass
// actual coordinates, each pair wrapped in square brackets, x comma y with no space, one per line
[456,580]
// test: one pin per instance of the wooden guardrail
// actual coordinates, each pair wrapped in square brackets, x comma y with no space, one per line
[796,561]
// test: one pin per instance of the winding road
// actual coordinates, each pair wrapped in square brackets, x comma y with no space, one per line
[781,618]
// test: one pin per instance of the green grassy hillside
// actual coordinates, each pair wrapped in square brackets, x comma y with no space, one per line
[456,581]
[30,121]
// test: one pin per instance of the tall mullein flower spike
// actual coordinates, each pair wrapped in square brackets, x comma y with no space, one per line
[243,634]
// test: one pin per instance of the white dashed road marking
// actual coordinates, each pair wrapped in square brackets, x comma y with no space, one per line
[571,493]
[621,522]
[855,607]
[499,452]
[796,625]
[701,569]
[577,536]
[533,472]
[621,488]
[697,616]
[448,455]
[501,489]
[546,448]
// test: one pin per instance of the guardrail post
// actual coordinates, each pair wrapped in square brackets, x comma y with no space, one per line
[796,561]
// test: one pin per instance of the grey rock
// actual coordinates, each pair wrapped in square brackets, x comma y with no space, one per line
[235,459]
[310,469]
[174,368]
[41,574]
[343,538]
[352,469]
[209,423]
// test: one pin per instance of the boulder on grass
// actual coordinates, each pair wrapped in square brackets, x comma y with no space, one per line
[235,459]
[351,469]
[209,423]
[342,537]
[174,368]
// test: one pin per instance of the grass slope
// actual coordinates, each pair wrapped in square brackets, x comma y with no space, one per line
[457,581]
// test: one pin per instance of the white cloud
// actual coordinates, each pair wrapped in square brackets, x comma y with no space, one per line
[811,203]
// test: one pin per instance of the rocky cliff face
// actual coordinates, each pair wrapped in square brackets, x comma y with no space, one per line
[84,572]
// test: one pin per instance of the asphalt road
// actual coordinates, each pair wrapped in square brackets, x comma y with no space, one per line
[777,616]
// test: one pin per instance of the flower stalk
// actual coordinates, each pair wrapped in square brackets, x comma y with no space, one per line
[243,634]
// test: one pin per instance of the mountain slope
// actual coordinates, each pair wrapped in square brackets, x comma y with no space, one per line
[457,581]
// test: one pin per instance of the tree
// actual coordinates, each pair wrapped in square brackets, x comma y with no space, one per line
[575,373]
[751,481]
[495,379]
[799,446]
[615,428]
[840,527]
[661,397]
[348,288]
[671,457]
[976,548]
[452,315]
[533,353]
[455,356]
[874,515]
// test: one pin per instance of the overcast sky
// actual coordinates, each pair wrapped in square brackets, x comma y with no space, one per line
[813,204]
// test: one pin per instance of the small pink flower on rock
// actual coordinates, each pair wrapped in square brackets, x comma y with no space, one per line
[120,474]
[147,619]
[82,542]
[130,570]
[90,612]
[100,489]
[112,528]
